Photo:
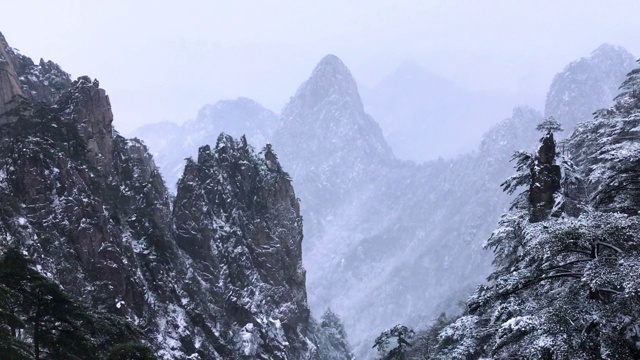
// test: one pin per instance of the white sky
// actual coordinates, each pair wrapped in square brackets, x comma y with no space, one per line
[163,60]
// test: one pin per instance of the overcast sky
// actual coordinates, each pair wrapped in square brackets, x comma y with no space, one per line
[163,60]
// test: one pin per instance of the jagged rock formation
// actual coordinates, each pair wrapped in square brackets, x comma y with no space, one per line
[171,143]
[237,216]
[10,92]
[218,277]
[373,222]
[545,179]
[21,79]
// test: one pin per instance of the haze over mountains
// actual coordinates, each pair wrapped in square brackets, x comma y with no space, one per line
[389,241]
[416,109]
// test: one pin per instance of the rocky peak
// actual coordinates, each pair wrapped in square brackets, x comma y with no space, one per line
[44,82]
[88,106]
[608,56]
[587,84]
[545,179]
[237,217]
[331,80]
[10,92]
[324,128]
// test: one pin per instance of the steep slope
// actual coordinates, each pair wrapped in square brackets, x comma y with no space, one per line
[171,143]
[91,209]
[373,222]
[384,234]
[587,84]
[564,284]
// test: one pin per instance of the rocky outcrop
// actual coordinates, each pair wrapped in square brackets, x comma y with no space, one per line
[10,92]
[22,80]
[87,106]
[44,82]
[545,180]
[219,277]
[237,217]
[171,143]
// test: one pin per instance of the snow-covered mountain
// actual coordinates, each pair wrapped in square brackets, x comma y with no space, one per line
[386,240]
[171,143]
[217,274]
[587,84]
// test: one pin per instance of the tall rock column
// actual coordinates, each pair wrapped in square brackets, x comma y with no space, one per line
[10,93]
[545,174]
[88,106]
[236,215]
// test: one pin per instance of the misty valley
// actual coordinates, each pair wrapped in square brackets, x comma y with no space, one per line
[249,234]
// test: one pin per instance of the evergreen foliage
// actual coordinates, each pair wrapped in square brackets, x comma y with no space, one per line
[38,320]
[608,150]
[331,338]
[565,284]
[549,125]
[399,334]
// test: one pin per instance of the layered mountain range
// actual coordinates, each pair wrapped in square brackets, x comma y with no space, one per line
[390,241]
[212,273]
[416,109]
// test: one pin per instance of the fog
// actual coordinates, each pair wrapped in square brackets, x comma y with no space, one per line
[461,83]
[161,61]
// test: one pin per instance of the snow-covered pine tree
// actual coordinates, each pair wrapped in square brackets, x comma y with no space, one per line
[331,338]
[564,287]
[393,343]
[608,148]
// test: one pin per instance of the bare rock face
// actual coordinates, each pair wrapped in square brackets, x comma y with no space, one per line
[10,92]
[545,180]
[89,108]
[218,276]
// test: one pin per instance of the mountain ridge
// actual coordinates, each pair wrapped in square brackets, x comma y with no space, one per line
[91,210]
[373,221]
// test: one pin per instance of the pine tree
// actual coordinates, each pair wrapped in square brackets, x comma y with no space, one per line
[39,320]
[331,338]
[608,148]
[564,282]
[401,335]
